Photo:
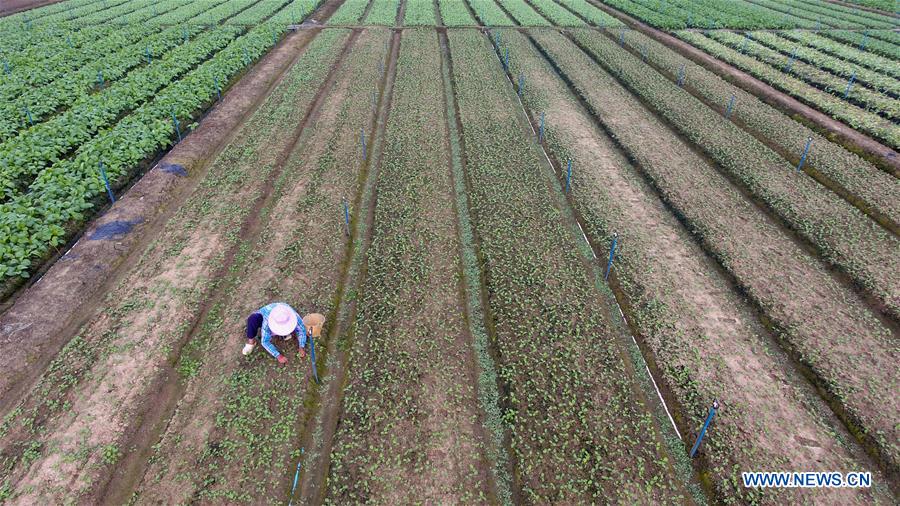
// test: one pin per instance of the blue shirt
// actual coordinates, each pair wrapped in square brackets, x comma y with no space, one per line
[266,338]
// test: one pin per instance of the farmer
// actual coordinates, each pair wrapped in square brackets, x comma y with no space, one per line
[279,319]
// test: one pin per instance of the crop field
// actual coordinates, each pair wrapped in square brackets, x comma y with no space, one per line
[567,251]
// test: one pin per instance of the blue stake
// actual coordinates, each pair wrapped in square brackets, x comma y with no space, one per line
[818,25]
[346,217]
[681,75]
[274,39]
[805,152]
[177,125]
[862,45]
[850,84]
[730,107]
[184,34]
[622,38]
[246,57]
[746,40]
[362,140]
[521,83]
[790,62]
[100,78]
[296,477]
[109,192]
[644,53]
[149,56]
[506,61]
[712,413]
[6,68]
[612,256]
[541,133]
[69,40]
[569,176]
[218,89]
[28,115]
[312,359]
[380,68]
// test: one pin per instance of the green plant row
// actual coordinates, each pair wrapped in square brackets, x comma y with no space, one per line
[64,195]
[22,45]
[557,14]
[88,10]
[411,344]
[383,12]
[885,5]
[822,323]
[523,13]
[349,13]
[215,14]
[835,11]
[295,12]
[192,13]
[842,234]
[594,15]
[578,427]
[842,69]
[23,157]
[866,98]
[32,69]
[857,118]
[74,88]
[257,13]
[873,45]
[875,188]
[35,14]
[489,13]
[676,15]
[108,15]
[419,13]
[844,52]
[455,13]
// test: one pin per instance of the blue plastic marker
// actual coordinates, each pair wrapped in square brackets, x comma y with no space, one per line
[247,59]
[346,217]
[312,359]
[521,83]
[862,45]
[28,115]
[730,107]
[569,176]
[712,413]
[790,62]
[541,132]
[177,125]
[362,140]
[218,89]
[849,85]
[6,67]
[149,56]
[681,75]
[746,40]
[296,478]
[612,256]
[109,192]
[100,78]
[622,38]
[506,61]
[805,152]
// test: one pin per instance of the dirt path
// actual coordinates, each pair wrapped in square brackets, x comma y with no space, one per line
[105,376]
[681,300]
[75,283]
[848,136]
[816,321]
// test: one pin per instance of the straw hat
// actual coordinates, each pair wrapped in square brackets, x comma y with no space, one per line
[282,320]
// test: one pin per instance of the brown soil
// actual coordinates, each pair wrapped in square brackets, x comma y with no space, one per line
[760,393]
[879,152]
[8,7]
[74,285]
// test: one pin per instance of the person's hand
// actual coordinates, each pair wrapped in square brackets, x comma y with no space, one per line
[302,353]
[282,359]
